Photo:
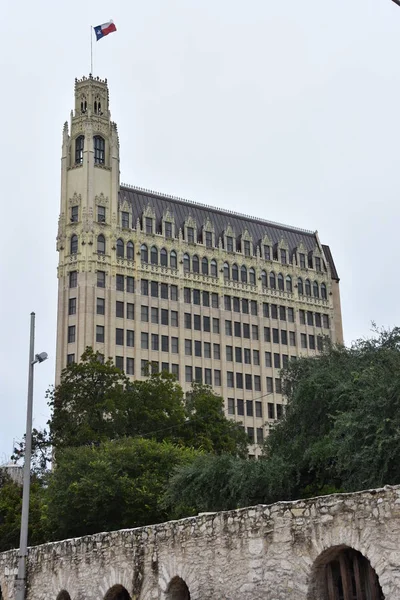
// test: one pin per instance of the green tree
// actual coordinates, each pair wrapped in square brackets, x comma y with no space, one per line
[115,485]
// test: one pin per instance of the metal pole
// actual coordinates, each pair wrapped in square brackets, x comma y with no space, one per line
[20,583]
[91,50]
[396,2]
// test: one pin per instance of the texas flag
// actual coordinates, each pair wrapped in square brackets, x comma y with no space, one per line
[105,29]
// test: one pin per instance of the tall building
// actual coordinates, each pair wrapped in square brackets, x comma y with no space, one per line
[205,293]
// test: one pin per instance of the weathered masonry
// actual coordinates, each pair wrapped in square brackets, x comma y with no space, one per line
[339,547]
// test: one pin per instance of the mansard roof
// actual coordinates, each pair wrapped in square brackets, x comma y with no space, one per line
[139,199]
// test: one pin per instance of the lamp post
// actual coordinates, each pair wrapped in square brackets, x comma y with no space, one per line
[20,582]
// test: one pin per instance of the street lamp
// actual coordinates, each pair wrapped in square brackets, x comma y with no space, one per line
[20,582]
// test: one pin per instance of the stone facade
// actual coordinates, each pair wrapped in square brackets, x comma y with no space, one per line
[276,552]
[135,266]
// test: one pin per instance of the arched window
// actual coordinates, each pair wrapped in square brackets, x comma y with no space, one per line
[214,268]
[101,244]
[120,248]
[130,251]
[144,253]
[264,279]
[227,271]
[281,285]
[173,263]
[195,264]
[154,255]
[252,276]
[243,274]
[163,257]
[79,145]
[308,287]
[74,244]
[63,595]
[323,291]
[288,283]
[315,289]
[177,590]
[300,288]
[272,280]
[117,592]
[99,146]
[204,266]
[235,272]
[186,263]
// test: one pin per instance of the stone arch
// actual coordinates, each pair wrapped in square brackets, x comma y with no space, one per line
[117,592]
[177,590]
[63,595]
[343,573]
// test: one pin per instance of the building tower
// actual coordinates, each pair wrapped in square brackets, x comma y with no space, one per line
[207,294]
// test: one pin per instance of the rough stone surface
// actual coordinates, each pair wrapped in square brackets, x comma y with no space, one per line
[258,553]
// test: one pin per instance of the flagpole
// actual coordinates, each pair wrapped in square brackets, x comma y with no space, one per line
[91,50]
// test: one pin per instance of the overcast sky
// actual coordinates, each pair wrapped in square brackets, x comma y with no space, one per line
[288,111]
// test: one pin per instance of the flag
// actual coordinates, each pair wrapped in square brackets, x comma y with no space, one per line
[105,29]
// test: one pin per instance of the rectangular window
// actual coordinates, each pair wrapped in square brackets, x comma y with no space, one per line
[229,243]
[130,366]
[190,235]
[302,317]
[246,331]
[187,295]
[154,366]
[206,324]
[214,300]
[240,408]
[231,406]
[144,367]
[149,225]
[266,310]
[164,291]
[154,315]
[229,353]
[310,318]
[302,258]
[238,355]
[119,337]
[155,344]
[229,379]
[73,279]
[168,229]
[154,289]
[144,313]
[250,434]
[248,382]
[303,340]
[249,408]
[174,345]
[119,362]
[268,359]
[217,377]
[256,357]
[282,313]
[188,347]
[164,316]
[197,322]
[245,306]
[100,334]
[228,327]
[175,370]
[144,340]
[290,315]
[292,338]
[174,318]
[101,279]
[144,287]
[311,342]
[227,303]
[217,351]
[247,248]
[318,322]
[120,283]
[325,321]
[71,334]
[174,292]
[310,260]
[207,377]
[215,323]
[236,304]
[101,214]
[259,412]
[271,410]
[320,343]
[100,306]
[207,350]
[130,284]
[125,220]
[275,336]
[277,361]
[130,311]
[198,375]
[119,309]
[72,306]
[318,263]
[188,374]
[267,252]
[74,214]
[285,361]
[284,339]
[247,356]
[283,257]
[164,343]
[267,334]
[209,239]
[253,307]
[254,332]
[188,321]
[257,383]
[70,359]
[239,381]
[274,311]
[196,297]
[238,329]
[278,386]
[197,348]
[270,385]
[260,436]
[130,338]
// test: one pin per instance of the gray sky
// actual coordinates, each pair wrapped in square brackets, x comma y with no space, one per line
[283,110]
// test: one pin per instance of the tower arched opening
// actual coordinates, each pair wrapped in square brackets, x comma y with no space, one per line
[117,592]
[177,590]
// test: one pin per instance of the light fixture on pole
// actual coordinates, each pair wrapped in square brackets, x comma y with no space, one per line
[20,582]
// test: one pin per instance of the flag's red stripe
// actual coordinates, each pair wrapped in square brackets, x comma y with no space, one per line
[109,29]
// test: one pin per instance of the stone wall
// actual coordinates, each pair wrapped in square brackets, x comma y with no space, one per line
[258,553]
